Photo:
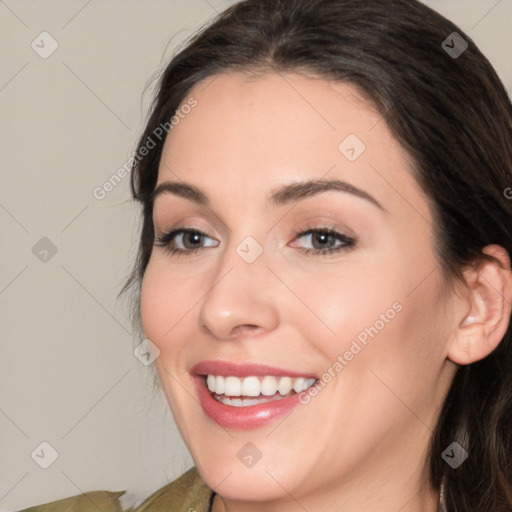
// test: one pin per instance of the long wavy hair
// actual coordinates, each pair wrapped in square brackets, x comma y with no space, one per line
[450,113]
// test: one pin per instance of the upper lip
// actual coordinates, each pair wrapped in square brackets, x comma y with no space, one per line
[228,368]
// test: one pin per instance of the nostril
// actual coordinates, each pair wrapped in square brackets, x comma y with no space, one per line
[245,329]
[239,331]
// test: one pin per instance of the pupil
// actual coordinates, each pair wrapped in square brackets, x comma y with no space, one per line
[322,237]
[193,236]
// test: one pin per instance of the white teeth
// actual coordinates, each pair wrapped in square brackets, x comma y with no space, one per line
[298,385]
[302,384]
[268,386]
[309,383]
[219,384]
[285,385]
[244,402]
[251,386]
[210,382]
[232,386]
[255,386]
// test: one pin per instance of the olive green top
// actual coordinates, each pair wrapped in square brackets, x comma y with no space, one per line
[188,493]
[185,494]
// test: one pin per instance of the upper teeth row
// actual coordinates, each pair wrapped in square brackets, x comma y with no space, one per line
[254,386]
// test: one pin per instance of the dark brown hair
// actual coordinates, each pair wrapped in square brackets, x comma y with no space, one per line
[453,117]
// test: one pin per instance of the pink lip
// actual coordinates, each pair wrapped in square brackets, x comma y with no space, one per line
[226,368]
[242,418]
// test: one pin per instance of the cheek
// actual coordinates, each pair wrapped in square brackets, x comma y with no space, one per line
[166,299]
[389,318]
[346,305]
[167,303]
[381,291]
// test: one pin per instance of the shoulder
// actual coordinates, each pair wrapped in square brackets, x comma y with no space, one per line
[103,500]
[188,492]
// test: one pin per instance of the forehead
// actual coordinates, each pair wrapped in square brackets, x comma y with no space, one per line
[272,110]
[248,132]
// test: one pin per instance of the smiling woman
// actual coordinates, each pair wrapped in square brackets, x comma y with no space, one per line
[340,179]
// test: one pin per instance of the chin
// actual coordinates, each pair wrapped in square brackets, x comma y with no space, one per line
[237,483]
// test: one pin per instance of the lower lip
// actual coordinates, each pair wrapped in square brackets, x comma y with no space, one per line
[243,418]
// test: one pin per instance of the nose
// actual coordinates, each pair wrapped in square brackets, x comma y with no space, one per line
[240,300]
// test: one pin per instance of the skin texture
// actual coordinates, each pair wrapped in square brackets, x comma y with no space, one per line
[361,443]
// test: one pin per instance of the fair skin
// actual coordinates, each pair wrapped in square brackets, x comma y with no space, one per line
[361,443]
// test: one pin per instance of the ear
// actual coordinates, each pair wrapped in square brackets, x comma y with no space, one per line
[486,308]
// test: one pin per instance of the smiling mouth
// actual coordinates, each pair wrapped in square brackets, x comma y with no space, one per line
[254,390]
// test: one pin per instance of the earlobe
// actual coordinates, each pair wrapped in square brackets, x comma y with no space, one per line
[487,308]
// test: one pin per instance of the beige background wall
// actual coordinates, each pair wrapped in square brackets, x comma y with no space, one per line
[68,122]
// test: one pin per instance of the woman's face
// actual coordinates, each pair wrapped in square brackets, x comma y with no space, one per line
[263,297]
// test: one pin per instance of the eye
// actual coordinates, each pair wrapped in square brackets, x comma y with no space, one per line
[325,241]
[187,240]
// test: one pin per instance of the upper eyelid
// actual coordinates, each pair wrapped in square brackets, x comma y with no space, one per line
[205,208]
[323,222]
[296,232]
[198,221]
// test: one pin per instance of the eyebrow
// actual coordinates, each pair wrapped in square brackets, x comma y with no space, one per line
[280,196]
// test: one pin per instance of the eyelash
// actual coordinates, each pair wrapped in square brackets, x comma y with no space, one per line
[347,242]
